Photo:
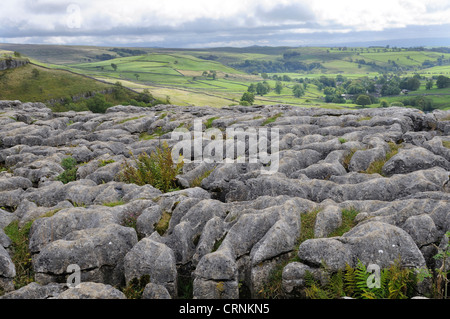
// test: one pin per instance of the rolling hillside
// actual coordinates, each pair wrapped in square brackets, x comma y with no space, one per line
[219,77]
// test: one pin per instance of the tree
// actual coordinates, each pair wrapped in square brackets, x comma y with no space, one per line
[119,92]
[442,82]
[251,88]
[278,87]
[247,97]
[429,85]
[390,88]
[137,76]
[363,100]
[411,84]
[298,91]
[262,88]
[114,66]
[17,54]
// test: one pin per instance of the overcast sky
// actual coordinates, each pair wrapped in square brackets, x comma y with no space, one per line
[216,23]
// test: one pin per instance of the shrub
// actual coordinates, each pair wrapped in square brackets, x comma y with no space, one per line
[70,170]
[156,169]
[98,104]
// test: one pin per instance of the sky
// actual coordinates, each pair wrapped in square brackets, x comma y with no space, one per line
[220,23]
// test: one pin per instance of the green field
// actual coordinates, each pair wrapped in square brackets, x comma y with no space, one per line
[219,76]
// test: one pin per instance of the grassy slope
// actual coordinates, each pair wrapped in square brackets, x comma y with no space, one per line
[22,84]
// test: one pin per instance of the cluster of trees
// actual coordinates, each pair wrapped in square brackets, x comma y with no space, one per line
[122,52]
[127,52]
[263,88]
[209,57]
[211,74]
[259,66]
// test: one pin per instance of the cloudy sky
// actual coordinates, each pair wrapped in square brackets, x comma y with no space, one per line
[216,23]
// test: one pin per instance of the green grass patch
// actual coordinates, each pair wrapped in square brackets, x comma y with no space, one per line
[130,119]
[446,144]
[102,163]
[271,119]
[114,204]
[21,255]
[163,224]
[209,122]
[32,83]
[145,136]
[376,167]
[348,222]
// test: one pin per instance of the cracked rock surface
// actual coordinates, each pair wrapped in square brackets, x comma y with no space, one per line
[230,224]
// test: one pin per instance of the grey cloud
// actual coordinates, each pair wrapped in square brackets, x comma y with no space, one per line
[286,12]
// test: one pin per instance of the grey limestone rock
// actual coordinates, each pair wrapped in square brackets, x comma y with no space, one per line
[92,290]
[155,259]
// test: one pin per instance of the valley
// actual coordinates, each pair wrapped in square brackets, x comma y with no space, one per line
[219,77]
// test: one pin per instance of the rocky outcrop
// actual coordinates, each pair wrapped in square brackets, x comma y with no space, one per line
[12,63]
[231,224]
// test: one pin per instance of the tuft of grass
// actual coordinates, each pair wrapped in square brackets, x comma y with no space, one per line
[364,118]
[197,182]
[130,119]
[348,158]
[156,169]
[348,222]
[209,122]
[446,144]
[271,119]
[114,204]
[102,163]
[50,213]
[342,140]
[376,167]
[217,243]
[307,227]
[157,133]
[21,255]
[163,224]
